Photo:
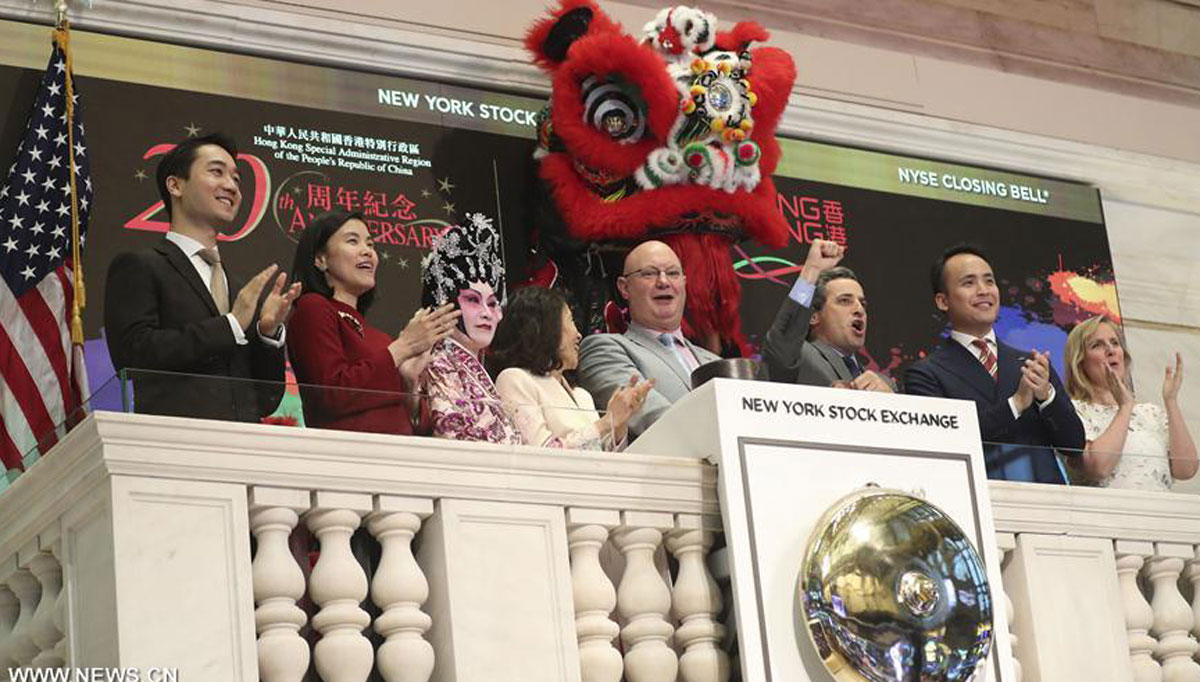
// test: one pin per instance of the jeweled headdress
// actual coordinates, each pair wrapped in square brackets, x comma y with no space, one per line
[460,256]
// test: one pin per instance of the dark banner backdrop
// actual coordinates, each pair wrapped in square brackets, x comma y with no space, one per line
[417,156]
[1053,272]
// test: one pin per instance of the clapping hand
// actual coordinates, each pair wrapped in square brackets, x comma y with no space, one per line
[1172,381]
[427,327]
[822,255]
[1036,373]
[412,368]
[274,309]
[627,400]
[412,348]
[277,305]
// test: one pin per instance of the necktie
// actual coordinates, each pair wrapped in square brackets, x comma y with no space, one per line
[217,286]
[669,341]
[986,356]
[852,365]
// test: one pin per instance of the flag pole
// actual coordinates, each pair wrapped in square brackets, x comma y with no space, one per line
[62,38]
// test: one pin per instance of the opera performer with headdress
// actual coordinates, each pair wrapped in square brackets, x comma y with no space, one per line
[465,267]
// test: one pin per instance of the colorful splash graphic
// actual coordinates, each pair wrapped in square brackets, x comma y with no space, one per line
[1079,292]
[1043,310]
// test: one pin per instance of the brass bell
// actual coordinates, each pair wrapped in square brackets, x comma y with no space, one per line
[893,591]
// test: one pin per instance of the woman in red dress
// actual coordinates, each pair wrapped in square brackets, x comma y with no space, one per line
[353,376]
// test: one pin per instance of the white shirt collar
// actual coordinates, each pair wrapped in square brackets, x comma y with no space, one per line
[189,246]
[965,339]
[677,333]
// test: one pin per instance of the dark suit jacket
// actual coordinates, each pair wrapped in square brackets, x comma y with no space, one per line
[952,371]
[159,316]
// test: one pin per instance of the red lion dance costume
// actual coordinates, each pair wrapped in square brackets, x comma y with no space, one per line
[670,137]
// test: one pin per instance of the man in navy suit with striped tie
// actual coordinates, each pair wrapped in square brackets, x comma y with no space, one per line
[1024,411]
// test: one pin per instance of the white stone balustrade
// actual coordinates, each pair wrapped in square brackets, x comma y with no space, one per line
[718,567]
[399,588]
[593,594]
[338,584]
[283,655]
[1074,568]
[644,600]
[9,610]
[1139,617]
[43,630]
[22,649]
[696,603]
[1006,543]
[131,507]
[1173,619]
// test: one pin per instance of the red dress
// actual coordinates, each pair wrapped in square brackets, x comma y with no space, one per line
[330,344]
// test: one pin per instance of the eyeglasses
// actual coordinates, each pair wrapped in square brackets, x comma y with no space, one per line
[652,274]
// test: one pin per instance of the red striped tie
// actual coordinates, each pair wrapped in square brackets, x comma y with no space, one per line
[986,356]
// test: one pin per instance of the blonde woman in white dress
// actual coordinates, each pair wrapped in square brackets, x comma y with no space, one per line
[536,345]
[1129,444]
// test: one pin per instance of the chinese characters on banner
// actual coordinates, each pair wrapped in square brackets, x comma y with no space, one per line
[341,139]
[811,217]
[390,216]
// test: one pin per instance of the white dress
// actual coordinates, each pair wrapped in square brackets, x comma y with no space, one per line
[1144,464]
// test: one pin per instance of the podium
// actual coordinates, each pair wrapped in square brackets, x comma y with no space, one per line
[785,454]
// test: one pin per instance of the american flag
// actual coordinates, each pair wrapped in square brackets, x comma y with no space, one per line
[42,378]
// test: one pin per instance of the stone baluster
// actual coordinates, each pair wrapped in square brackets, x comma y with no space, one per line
[1172,615]
[283,655]
[1007,542]
[21,647]
[1139,617]
[594,594]
[644,600]
[718,568]
[10,608]
[1192,573]
[60,612]
[44,631]
[399,589]
[338,585]
[697,603]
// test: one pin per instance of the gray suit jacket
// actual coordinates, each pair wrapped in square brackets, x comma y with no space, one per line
[821,365]
[784,346]
[606,361]
[792,358]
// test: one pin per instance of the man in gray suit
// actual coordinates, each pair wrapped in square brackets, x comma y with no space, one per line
[821,327]
[653,347]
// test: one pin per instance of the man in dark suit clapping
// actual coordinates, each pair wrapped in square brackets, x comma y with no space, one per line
[176,308]
[1023,409]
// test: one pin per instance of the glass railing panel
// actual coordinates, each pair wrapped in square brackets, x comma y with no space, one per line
[563,422]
